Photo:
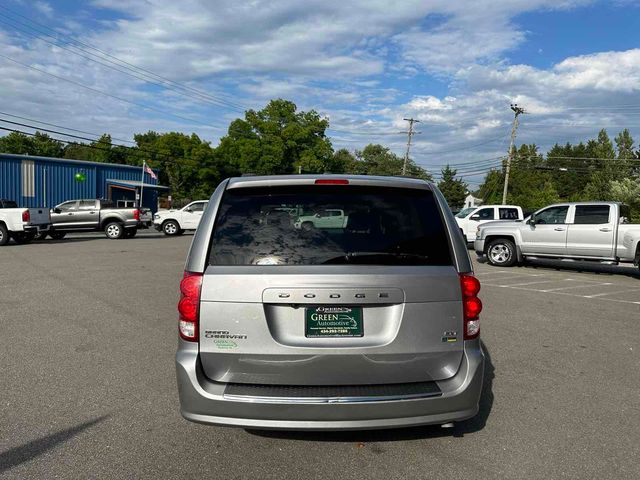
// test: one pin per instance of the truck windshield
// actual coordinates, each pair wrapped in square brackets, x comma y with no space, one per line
[465,211]
[314,225]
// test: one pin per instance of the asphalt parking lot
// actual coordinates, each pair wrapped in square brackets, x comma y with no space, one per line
[88,386]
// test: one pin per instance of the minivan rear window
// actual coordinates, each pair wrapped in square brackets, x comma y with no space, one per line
[326,224]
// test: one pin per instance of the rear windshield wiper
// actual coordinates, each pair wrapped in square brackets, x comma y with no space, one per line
[349,256]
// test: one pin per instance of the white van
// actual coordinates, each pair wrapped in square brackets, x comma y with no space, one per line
[469,218]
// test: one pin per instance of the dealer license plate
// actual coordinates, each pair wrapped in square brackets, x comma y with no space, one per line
[333,322]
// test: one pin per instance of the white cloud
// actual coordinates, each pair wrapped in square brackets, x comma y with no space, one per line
[348,60]
[44,8]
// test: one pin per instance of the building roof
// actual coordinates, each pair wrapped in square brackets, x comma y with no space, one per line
[13,156]
[133,183]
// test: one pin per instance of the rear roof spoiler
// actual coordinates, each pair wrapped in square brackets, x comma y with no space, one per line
[293,180]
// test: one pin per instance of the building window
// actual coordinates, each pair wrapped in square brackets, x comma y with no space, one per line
[28,179]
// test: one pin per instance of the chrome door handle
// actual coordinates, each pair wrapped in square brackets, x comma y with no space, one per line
[559,229]
[605,229]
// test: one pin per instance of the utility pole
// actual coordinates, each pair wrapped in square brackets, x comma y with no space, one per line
[514,128]
[410,134]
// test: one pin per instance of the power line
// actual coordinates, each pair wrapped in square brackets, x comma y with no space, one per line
[473,162]
[469,147]
[93,140]
[95,90]
[64,128]
[131,69]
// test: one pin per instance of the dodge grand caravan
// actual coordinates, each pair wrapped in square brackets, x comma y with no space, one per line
[370,325]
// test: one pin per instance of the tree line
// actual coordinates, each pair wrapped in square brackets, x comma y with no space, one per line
[595,170]
[279,139]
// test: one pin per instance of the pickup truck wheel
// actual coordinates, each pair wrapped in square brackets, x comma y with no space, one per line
[170,227]
[130,232]
[4,234]
[57,235]
[22,238]
[114,230]
[307,226]
[501,253]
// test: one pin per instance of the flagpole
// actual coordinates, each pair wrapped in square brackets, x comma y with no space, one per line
[142,184]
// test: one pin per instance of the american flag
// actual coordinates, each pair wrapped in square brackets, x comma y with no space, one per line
[150,172]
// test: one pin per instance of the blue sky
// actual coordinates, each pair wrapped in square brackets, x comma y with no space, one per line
[365,64]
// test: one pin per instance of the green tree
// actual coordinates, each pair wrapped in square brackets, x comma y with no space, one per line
[453,189]
[39,144]
[624,145]
[277,140]
[530,182]
[101,150]
[341,161]
[490,190]
[571,169]
[181,159]
[605,170]
[627,191]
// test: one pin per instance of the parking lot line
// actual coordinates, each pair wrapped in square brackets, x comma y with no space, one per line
[527,283]
[493,272]
[612,293]
[617,300]
[576,286]
[520,276]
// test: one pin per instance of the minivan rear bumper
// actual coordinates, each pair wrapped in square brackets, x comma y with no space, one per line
[204,401]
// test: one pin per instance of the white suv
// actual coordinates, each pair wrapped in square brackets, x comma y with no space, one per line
[175,222]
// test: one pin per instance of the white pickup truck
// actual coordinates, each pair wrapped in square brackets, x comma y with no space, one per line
[596,231]
[21,224]
[469,218]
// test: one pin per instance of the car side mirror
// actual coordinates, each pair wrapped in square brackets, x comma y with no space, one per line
[57,210]
[188,210]
[317,215]
[475,217]
[532,222]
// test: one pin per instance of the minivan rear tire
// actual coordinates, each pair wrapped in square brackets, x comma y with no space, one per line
[501,252]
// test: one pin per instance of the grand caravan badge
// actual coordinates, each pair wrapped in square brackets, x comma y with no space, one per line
[334,322]
[224,334]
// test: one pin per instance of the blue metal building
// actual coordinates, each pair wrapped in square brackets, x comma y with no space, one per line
[46,182]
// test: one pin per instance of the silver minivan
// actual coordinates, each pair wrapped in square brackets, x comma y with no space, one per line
[368,323]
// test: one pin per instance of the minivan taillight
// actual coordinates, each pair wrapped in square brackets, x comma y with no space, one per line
[189,305]
[471,305]
[26,216]
[136,215]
